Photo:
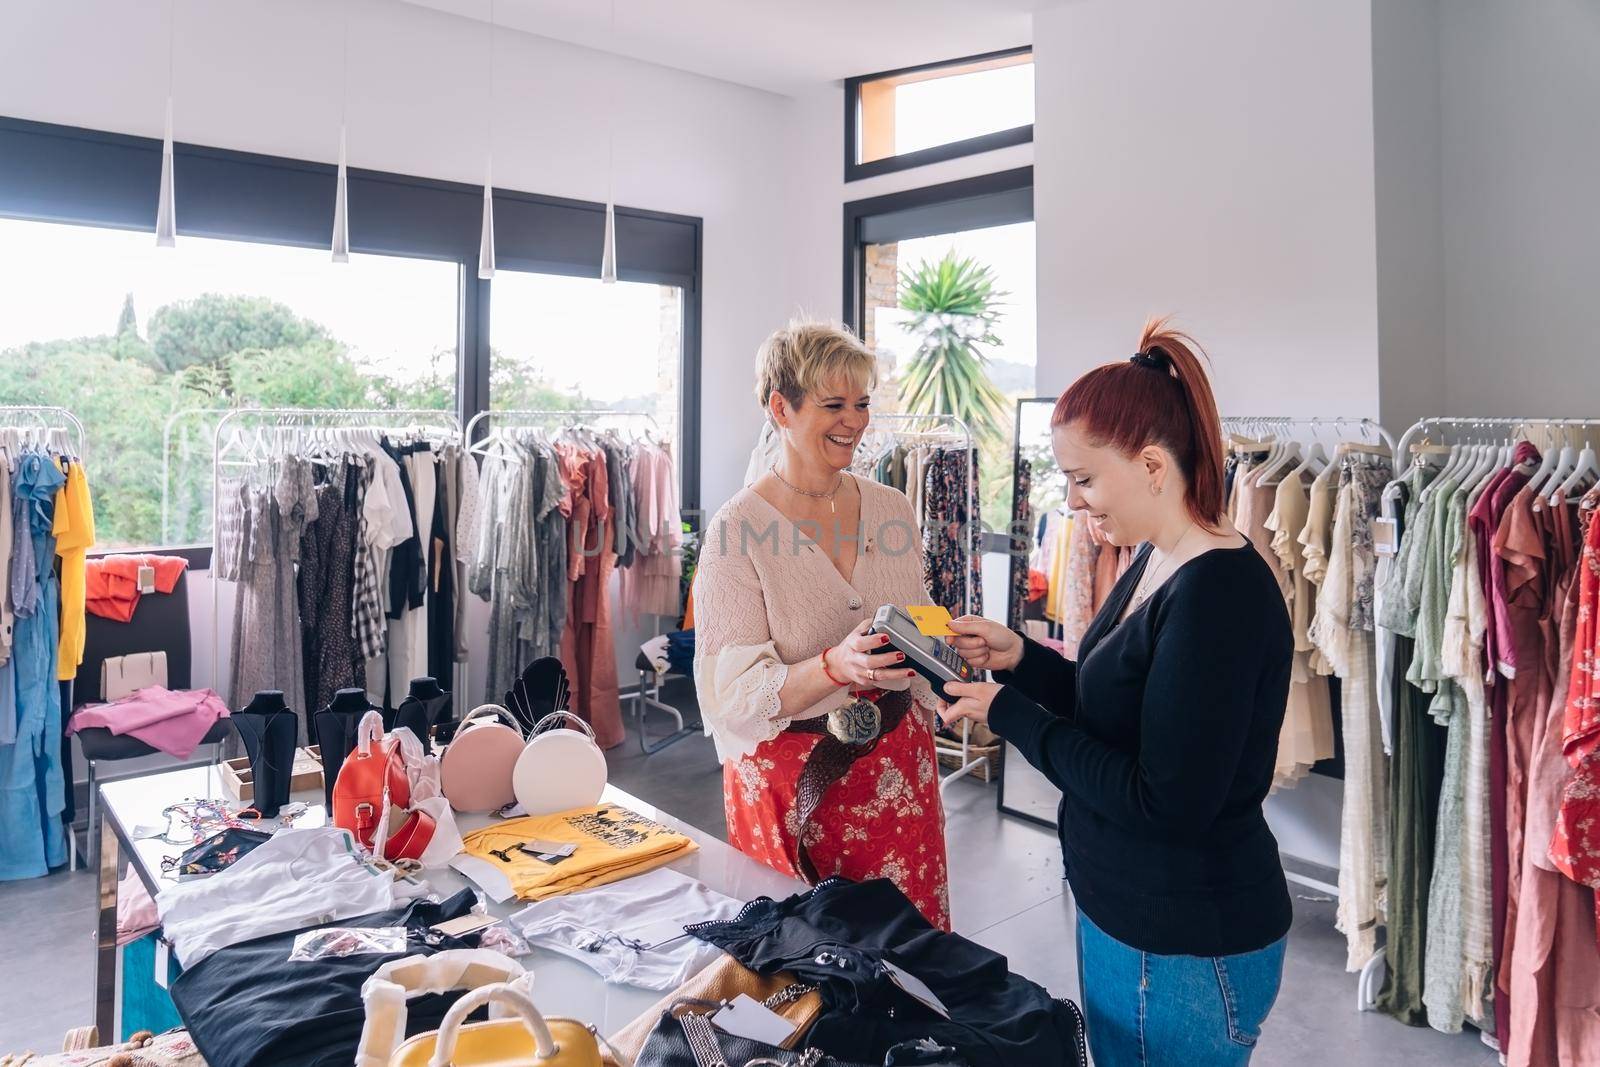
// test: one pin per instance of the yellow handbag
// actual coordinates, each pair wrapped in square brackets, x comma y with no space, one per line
[525,1040]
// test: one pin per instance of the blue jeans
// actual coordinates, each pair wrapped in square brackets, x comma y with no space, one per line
[1145,1010]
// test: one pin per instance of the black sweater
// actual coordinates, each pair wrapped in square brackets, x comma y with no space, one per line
[1163,738]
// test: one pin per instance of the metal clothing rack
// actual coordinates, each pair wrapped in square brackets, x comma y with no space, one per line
[1263,424]
[646,696]
[278,429]
[947,431]
[41,416]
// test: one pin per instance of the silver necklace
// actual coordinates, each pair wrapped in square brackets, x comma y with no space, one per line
[828,496]
[1142,593]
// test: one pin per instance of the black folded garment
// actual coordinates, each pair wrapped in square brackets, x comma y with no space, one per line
[841,935]
[247,1005]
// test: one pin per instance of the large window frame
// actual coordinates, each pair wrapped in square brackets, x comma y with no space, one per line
[66,174]
[999,199]
[856,170]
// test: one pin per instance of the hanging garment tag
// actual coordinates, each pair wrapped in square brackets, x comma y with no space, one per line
[916,987]
[550,848]
[147,578]
[162,966]
[1385,537]
[931,619]
[746,1017]
[655,934]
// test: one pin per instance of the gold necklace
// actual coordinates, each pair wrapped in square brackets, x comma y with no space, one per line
[1141,594]
[828,496]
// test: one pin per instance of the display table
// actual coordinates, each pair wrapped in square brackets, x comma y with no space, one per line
[564,986]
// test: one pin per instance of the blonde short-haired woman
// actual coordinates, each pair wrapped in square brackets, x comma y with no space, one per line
[828,760]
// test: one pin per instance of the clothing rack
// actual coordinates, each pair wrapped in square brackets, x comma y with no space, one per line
[1463,427]
[65,421]
[1264,424]
[278,427]
[950,431]
[645,698]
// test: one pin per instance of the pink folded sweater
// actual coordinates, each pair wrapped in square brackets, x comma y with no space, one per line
[174,722]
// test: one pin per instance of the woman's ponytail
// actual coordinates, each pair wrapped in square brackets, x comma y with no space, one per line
[1205,422]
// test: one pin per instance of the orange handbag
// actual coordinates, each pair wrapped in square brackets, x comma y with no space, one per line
[375,767]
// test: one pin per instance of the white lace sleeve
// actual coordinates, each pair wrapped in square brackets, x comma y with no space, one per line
[738,689]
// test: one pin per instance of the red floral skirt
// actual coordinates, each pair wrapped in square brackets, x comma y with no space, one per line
[883,819]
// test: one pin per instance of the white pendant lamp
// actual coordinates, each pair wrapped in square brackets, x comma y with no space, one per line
[608,251]
[166,206]
[341,194]
[341,210]
[486,240]
[166,210]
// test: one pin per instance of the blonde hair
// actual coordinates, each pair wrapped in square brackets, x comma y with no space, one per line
[797,360]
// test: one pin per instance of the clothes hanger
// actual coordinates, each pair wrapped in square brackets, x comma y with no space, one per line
[1584,474]
[1564,465]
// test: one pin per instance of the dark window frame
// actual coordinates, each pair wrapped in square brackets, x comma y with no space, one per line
[856,170]
[67,174]
[1002,198]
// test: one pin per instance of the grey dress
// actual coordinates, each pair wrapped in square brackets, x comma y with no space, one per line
[266,618]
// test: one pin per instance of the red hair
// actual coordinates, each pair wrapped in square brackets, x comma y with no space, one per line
[1162,397]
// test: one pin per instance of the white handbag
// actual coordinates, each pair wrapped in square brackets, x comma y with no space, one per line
[122,676]
[559,769]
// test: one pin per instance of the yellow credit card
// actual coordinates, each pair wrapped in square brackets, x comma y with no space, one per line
[931,619]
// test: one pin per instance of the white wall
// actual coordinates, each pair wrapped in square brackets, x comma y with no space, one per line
[1520,94]
[1213,161]
[1407,135]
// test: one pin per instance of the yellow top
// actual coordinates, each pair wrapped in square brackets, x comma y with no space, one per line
[613,843]
[74,532]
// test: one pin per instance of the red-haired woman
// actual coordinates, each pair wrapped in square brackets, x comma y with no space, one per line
[1163,734]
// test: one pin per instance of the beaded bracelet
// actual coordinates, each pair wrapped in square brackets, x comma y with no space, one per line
[826,671]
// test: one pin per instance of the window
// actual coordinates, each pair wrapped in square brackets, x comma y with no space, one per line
[147,345]
[573,343]
[920,115]
[946,275]
[250,310]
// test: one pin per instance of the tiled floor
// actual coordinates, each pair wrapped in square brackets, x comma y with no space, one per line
[1006,893]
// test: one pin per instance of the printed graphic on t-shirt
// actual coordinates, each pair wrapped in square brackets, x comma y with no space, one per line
[617,827]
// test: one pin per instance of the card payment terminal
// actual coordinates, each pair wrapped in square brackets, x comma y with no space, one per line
[931,657]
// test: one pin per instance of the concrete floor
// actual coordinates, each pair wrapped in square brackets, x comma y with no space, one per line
[1006,892]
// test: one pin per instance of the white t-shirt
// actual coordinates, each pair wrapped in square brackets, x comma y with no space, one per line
[631,932]
[299,878]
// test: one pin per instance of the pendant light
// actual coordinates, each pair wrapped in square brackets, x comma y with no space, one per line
[486,239]
[166,209]
[608,251]
[341,195]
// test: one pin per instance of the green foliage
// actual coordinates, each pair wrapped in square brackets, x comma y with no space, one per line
[128,321]
[518,383]
[954,310]
[211,327]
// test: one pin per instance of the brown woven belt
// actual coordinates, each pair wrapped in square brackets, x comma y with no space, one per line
[831,760]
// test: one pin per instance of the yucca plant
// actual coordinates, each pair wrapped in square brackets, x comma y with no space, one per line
[954,306]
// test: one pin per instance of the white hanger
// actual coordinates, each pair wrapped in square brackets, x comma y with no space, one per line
[1585,471]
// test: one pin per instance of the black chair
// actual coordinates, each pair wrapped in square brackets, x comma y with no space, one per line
[160,624]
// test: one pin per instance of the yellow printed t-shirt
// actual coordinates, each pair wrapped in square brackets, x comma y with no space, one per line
[613,843]
[74,532]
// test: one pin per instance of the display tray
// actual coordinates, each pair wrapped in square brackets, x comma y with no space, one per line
[239,779]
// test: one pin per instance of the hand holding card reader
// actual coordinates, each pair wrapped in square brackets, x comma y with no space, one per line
[929,656]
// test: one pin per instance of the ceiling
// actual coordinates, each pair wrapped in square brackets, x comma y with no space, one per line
[784,46]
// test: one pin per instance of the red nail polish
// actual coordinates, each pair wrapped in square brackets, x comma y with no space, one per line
[899,657]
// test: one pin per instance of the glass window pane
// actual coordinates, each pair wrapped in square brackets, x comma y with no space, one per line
[908,113]
[574,343]
[911,287]
[145,345]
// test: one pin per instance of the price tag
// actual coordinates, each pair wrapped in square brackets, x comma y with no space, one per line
[147,578]
[752,1020]
[931,619]
[162,964]
[916,987]
[1385,537]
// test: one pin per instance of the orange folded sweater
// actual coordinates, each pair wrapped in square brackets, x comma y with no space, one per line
[112,582]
